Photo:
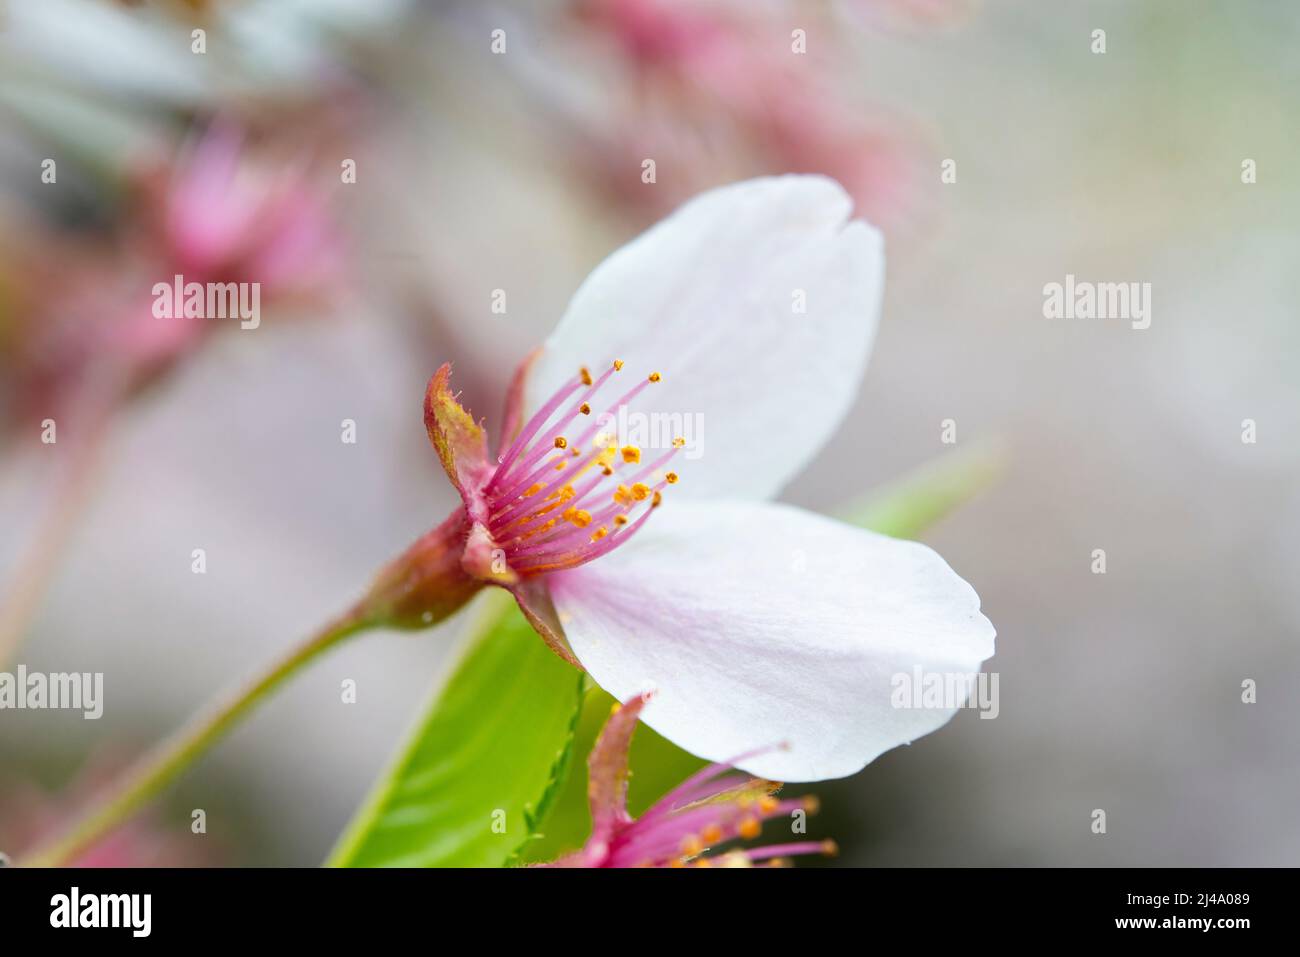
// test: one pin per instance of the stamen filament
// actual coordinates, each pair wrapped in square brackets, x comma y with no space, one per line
[534,425]
[544,509]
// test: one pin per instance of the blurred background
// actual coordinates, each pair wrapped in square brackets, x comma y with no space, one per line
[382,171]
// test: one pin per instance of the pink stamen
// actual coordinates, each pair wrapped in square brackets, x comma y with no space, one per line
[554,484]
[598,548]
[535,424]
[530,430]
[787,850]
[677,797]
[543,508]
[530,522]
[608,513]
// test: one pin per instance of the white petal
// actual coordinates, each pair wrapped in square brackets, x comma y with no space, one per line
[762,624]
[708,299]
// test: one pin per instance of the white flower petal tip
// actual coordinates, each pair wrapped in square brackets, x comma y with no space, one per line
[758,302]
[765,623]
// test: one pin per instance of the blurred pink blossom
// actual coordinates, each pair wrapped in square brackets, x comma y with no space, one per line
[214,213]
[29,815]
[224,218]
[716,92]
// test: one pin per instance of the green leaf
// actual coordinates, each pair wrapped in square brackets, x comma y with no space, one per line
[494,740]
[657,766]
[907,507]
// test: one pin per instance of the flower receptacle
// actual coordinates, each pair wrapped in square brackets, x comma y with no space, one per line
[425,584]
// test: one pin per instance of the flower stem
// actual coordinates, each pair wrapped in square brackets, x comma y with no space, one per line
[156,769]
[73,490]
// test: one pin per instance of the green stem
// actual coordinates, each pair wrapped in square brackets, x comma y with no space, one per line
[72,491]
[156,769]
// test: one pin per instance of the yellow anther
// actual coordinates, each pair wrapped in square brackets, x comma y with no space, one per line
[562,494]
[585,409]
[749,828]
[618,365]
[575,452]
[620,519]
[578,516]
[712,834]
[768,804]
[631,454]
[586,375]
[559,466]
[830,848]
[599,533]
[541,528]
[671,478]
[623,495]
[607,470]
[640,491]
[561,442]
[692,845]
[656,501]
[560,499]
[533,489]
[679,442]
[655,377]
[811,804]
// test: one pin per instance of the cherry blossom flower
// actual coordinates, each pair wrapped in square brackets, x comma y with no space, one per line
[751,309]
[684,828]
